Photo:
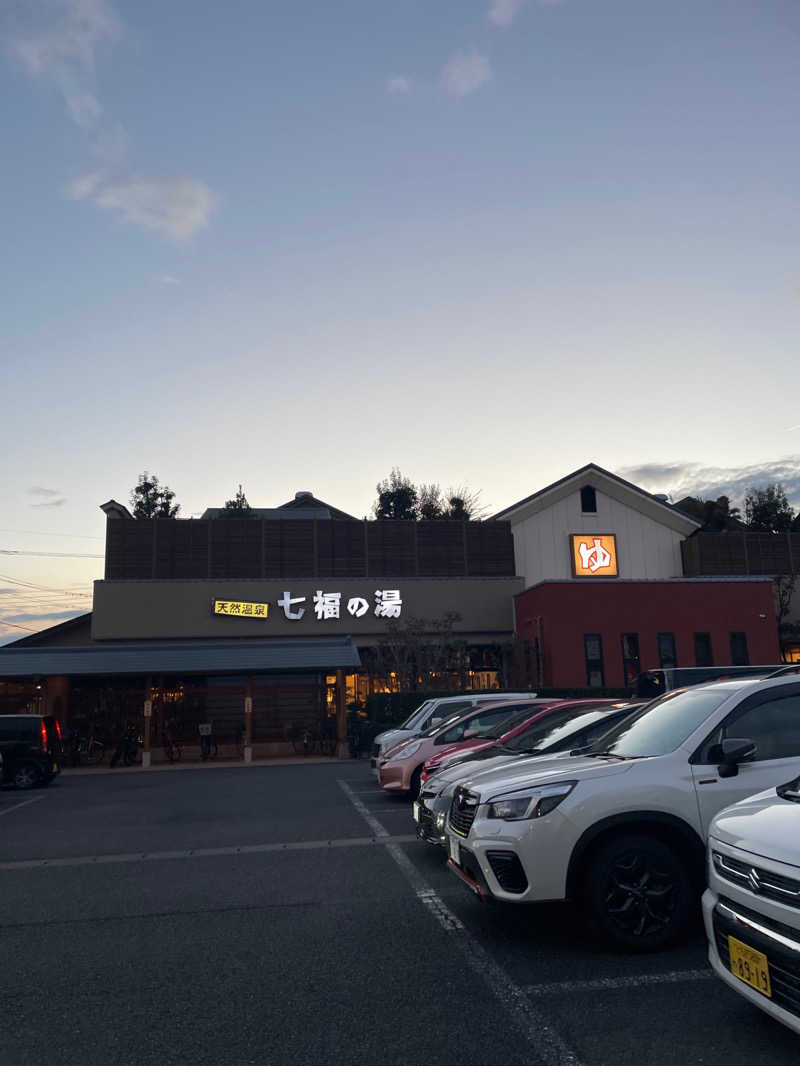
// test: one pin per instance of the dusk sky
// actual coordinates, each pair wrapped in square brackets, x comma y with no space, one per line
[293,245]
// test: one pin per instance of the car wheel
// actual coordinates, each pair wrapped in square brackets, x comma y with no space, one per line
[637,893]
[416,783]
[27,775]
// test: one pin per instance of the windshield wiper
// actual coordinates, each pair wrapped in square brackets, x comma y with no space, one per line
[606,755]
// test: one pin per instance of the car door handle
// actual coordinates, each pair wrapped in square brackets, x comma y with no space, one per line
[708,781]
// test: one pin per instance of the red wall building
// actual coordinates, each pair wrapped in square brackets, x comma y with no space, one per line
[600,632]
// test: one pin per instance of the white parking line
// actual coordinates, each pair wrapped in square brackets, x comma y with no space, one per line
[24,803]
[600,984]
[534,1026]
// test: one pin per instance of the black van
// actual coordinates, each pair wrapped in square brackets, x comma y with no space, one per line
[31,748]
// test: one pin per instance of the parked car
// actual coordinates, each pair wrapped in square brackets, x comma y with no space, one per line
[751,907]
[31,748]
[621,828]
[434,712]
[521,736]
[401,768]
[558,729]
[652,683]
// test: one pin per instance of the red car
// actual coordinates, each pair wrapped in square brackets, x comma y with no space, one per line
[456,752]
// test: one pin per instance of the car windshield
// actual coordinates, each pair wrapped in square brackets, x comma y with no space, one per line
[662,726]
[416,715]
[554,729]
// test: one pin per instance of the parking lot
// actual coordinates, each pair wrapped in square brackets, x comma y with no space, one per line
[286,914]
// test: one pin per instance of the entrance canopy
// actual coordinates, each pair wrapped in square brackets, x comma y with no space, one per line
[180,657]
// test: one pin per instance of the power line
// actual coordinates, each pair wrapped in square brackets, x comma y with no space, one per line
[50,555]
[42,533]
[39,588]
[13,626]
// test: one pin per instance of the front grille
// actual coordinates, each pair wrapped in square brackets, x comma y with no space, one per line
[757,880]
[784,962]
[462,811]
[507,868]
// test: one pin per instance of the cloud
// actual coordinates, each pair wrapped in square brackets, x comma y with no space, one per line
[58,616]
[37,490]
[168,279]
[178,206]
[503,12]
[397,85]
[63,54]
[465,72]
[50,503]
[696,479]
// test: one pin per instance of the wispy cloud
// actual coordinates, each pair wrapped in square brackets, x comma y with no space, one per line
[503,12]
[465,72]
[55,616]
[61,49]
[50,503]
[397,85]
[168,280]
[38,490]
[680,479]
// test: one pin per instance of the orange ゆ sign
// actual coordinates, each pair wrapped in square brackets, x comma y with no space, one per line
[594,555]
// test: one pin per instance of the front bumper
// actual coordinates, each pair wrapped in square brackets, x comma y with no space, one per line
[392,776]
[763,925]
[518,862]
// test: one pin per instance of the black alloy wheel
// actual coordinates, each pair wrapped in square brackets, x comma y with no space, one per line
[27,775]
[638,893]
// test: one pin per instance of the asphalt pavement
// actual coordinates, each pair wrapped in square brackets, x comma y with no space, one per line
[285,915]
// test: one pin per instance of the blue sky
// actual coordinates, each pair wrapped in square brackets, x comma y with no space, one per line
[294,245]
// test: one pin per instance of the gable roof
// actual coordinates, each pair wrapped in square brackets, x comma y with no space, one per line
[612,485]
[308,499]
[44,636]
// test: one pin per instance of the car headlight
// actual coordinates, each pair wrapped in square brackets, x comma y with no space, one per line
[407,749]
[532,803]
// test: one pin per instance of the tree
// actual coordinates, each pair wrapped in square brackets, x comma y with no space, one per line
[149,499]
[768,510]
[397,497]
[238,507]
[463,505]
[715,515]
[430,504]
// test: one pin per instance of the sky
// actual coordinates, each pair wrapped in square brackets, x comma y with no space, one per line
[295,245]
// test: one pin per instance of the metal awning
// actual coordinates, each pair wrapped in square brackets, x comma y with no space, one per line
[180,657]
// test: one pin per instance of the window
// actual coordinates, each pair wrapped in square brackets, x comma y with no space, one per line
[631,663]
[773,724]
[593,648]
[477,725]
[703,653]
[588,500]
[739,656]
[663,725]
[666,650]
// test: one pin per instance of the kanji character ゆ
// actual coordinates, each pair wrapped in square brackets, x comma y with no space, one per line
[387,603]
[287,602]
[326,604]
[357,606]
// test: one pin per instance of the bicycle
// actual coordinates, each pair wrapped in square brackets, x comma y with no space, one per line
[172,748]
[89,750]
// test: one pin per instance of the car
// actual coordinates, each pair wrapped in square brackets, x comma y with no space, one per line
[434,712]
[400,770]
[517,737]
[751,907]
[560,728]
[31,748]
[621,828]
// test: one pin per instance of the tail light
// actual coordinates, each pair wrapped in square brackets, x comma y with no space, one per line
[58,730]
[43,729]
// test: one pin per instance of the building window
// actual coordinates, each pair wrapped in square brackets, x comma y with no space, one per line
[631,663]
[739,656]
[593,647]
[666,650]
[588,500]
[703,653]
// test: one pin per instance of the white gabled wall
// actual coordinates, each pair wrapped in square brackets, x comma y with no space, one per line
[645,548]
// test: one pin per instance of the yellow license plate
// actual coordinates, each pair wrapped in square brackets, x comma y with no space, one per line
[750,966]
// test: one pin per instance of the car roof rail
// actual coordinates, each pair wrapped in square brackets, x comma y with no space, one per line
[793,668]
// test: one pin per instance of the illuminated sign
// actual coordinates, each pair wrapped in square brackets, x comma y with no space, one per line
[594,555]
[241,610]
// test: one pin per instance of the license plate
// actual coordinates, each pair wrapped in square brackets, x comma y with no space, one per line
[415,811]
[455,851]
[750,966]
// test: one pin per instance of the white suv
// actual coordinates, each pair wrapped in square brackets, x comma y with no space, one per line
[620,828]
[751,907]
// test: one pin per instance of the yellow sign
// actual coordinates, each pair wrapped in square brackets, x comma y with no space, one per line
[594,555]
[241,610]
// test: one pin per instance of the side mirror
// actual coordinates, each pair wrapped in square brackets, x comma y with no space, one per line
[470,734]
[733,751]
[435,721]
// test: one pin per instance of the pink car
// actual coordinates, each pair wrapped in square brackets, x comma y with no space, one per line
[453,752]
[400,769]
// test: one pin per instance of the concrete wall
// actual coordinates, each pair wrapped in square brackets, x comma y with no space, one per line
[141,610]
[646,548]
[568,610]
